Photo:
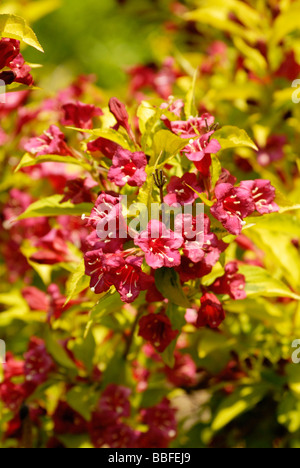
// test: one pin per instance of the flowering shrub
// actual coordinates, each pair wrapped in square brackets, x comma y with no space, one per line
[151,256]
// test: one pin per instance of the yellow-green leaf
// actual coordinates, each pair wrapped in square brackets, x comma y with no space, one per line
[16,27]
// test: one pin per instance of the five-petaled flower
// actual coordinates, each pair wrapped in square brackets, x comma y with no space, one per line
[128,168]
[180,190]
[200,150]
[161,246]
[232,283]
[232,207]
[79,114]
[211,312]
[192,128]
[51,142]
[263,194]
[38,363]
[157,329]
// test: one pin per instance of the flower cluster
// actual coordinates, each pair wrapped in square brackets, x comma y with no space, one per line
[129,232]
[108,425]
[12,64]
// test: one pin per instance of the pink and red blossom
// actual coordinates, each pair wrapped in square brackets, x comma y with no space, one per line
[51,142]
[157,329]
[211,313]
[232,207]
[161,246]
[180,190]
[128,168]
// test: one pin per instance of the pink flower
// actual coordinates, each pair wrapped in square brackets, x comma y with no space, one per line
[273,151]
[130,280]
[106,207]
[161,81]
[13,395]
[3,137]
[290,68]
[9,50]
[189,270]
[121,436]
[112,434]
[52,249]
[13,102]
[8,77]
[232,207]
[183,374]
[211,312]
[38,363]
[118,109]
[92,242]
[57,301]
[102,269]
[165,78]
[36,299]
[226,178]
[117,269]
[21,71]
[115,401]
[79,190]
[160,245]
[193,127]
[106,147]
[157,329]
[128,168]
[199,151]
[200,245]
[12,368]
[263,194]
[162,417]
[79,114]
[51,142]
[68,421]
[154,438]
[231,283]
[179,190]
[175,107]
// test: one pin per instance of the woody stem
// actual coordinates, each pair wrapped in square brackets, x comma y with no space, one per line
[132,333]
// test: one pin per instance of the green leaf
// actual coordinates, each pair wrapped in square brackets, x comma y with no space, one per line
[29,160]
[190,107]
[289,413]
[52,206]
[285,23]
[215,13]
[84,350]
[73,441]
[284,223]
[215,170]
[83,400]
[109,134]
[16,27]
[150,118]
[44,271]
[58,353]
[259,282]
[242,400]
[167,144]
[234,137]
[177,318]
[168,283]
[77,282]
[108,304]
[293,373]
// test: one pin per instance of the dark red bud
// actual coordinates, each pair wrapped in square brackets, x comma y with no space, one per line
[8,77]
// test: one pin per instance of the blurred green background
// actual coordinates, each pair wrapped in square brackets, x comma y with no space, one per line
[104,37]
